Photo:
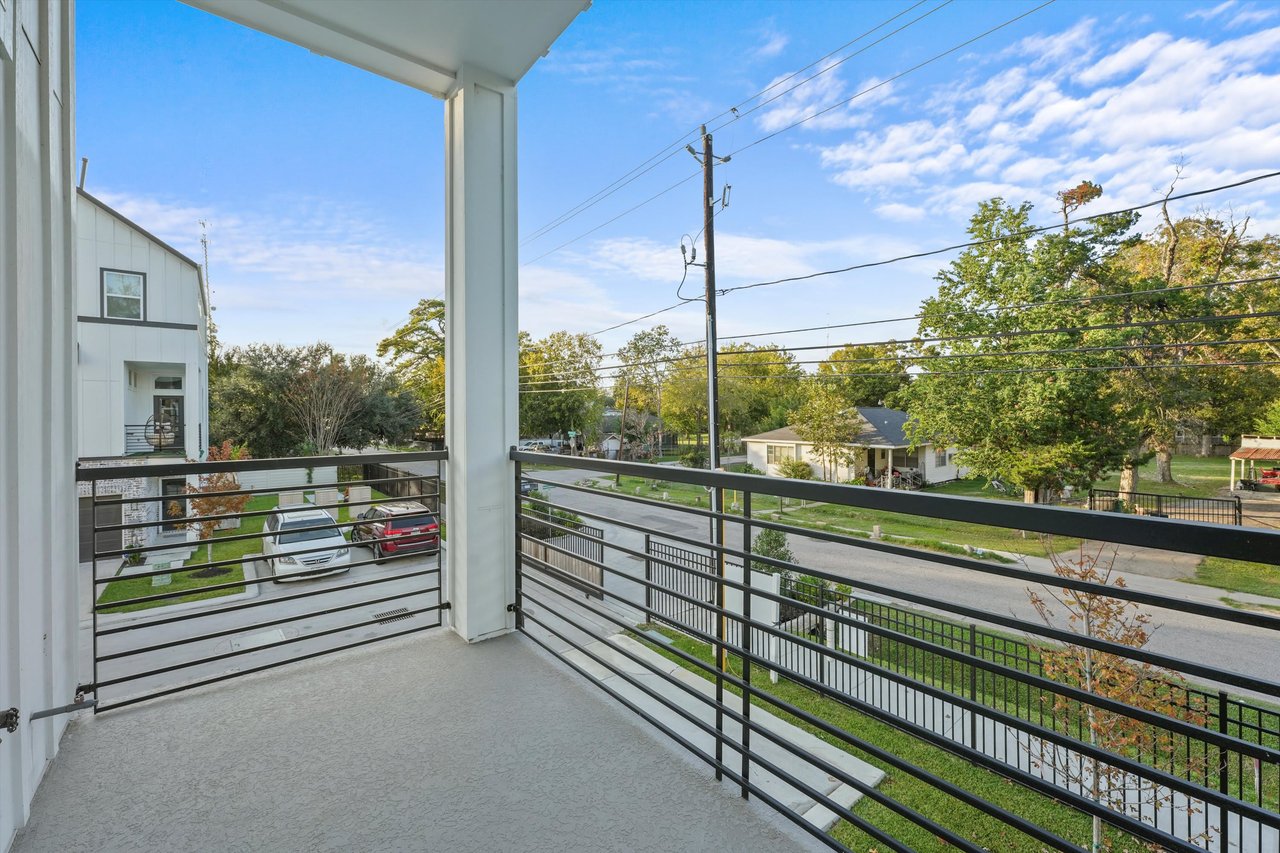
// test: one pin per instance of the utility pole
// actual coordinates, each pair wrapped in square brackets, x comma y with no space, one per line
[713,412]
[709,261]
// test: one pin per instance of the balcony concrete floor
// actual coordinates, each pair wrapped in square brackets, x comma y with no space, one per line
[423,743]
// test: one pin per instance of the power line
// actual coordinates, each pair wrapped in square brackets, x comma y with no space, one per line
[1009,308]
[674,148]
[957,313]
[626,212]
[823,111]
[897,76]
[1018,235]
[955,247]
[913,359]
[1011,333]
[1016,370]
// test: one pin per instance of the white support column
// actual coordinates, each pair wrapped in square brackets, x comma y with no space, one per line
[38,582]
[482,415]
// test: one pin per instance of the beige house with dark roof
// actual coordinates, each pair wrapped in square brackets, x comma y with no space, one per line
[880,448]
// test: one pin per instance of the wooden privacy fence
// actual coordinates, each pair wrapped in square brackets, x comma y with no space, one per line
[576,557]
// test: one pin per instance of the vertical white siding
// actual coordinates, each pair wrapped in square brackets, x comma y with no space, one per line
[37,447]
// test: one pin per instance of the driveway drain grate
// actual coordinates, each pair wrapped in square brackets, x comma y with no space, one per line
[390,616]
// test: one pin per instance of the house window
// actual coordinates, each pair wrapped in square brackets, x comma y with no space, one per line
[123,295]
[169,382]
[940,458]
[775,453]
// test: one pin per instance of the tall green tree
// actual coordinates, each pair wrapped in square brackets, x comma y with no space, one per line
[868,375]
[826,421]
[559,391]
[645,365]
[415,352]
[1027,408]
[759,388]
[290,401]
[1196,250]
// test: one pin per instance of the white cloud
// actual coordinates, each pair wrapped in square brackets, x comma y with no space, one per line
[819,101]
[330,269]
[1116,111]
[772,43]
[1211,12]
[900,212]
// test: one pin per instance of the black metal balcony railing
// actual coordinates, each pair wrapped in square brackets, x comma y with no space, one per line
[152,437]
[171,617]
[1198,770]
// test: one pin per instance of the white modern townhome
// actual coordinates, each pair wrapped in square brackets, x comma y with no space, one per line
[141,371]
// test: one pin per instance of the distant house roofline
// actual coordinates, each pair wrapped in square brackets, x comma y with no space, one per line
[883,430]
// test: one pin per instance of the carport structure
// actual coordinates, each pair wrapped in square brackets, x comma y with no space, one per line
[1255,450]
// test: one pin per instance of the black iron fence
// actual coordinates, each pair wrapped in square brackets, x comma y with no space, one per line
[1184,507]
[196,585]
[1187,762]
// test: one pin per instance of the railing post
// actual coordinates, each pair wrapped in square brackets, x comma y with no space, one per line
[722,657]
[648,576]
[519,541]
[745,639]
[1224,780]
[973,685]
[93,574]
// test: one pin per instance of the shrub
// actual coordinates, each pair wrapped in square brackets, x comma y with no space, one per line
[696,458]
[748,468]
[773,544]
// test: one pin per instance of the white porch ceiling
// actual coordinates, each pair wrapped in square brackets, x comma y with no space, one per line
[421,43]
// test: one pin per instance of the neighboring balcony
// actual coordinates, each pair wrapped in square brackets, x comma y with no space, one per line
[155,437]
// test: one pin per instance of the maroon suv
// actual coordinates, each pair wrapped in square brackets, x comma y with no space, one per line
[398,528]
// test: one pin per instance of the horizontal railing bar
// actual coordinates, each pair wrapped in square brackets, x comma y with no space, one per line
[636,499]
[786,777]
[1155,774]
[182,641]
[241,537]
[235,561]
[1080,803]
[262,490]
[1213,611]
[260,601]
[193,520]
[237,652]
[272,665]
[1237,543]
[991,809]
[1201,670]
[1221,739]
[117,472]
[108,607]
[957,699]
[712,761]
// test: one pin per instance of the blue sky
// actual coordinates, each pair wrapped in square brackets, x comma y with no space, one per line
[324,184]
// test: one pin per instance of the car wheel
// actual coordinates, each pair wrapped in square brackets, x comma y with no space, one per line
[377,554]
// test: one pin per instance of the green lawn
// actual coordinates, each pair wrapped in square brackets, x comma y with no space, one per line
[197,579]
[1238,576]
[1194,476]
[929,801]
[926,533]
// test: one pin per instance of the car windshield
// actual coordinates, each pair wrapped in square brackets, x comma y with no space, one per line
[322,531]
[401,521]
